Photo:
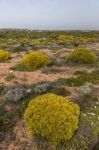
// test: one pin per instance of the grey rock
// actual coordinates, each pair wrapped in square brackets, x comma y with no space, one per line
[41,88]
[16,94]
[86,89]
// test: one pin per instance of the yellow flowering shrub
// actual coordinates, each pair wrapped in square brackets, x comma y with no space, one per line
[36,42]
[35,60]
[52,117]
[4,55]
[82,55]
[62,39]
[24,41]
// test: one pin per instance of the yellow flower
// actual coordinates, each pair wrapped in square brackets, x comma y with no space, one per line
[52,117]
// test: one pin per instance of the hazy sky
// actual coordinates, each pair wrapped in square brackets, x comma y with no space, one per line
[49,14]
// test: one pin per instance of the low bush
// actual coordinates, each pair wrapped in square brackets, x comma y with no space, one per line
[88,132]
[50,70]
[86,101]
[60,91]
[3,124]
[4,55]
[90,119]
[71,81]
[9,77]
[21,67]
[82,55]
[48,87]
[80,80]
[52,117]
[79,72]
[35,60]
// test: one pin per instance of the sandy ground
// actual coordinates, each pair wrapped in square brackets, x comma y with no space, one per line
[20,138]
[31,77]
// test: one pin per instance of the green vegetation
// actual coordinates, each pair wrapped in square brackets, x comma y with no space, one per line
[80,79]
[24,42]
[50,70]
[86,101]
[91,117]
[4,124]
[21,67]
[48,87]
[9,77]
[22,39]
[81,56]
[58,104]
[88,131]
[46,117]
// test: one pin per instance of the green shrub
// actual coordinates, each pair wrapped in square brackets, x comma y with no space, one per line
[21,67]
[79,72]
[81,55]
[35,60]
[60,91]
[90,117]
[70,81]
[48,87]
[80,80]
[52,117]
[86,101]
[4,124]
[50,70]
[9,77]
[4,55]
[36,43]
[78,142]
[88,133]
[24,42]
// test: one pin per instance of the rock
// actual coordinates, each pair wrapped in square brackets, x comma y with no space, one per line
[17,94]
[86,89]
[41,88]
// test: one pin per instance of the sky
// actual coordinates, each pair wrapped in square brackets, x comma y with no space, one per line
[50,14]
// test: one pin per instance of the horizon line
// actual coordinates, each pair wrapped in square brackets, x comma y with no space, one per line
[86,30]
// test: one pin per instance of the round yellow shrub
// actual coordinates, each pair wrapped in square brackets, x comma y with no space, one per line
[35,60]
[82,55]
[52,117]
[4,55]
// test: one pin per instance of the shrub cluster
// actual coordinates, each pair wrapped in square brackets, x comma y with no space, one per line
[48,87]
[80,80]
[35,60]
[81,55]
[4,55]
[52,117]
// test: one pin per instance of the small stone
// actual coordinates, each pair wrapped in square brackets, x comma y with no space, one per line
[16,94]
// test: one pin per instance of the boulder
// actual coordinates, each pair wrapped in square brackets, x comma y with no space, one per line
[86,89]
[17,94]
[41,88]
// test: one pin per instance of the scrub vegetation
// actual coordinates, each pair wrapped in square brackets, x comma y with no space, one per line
[49,90]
